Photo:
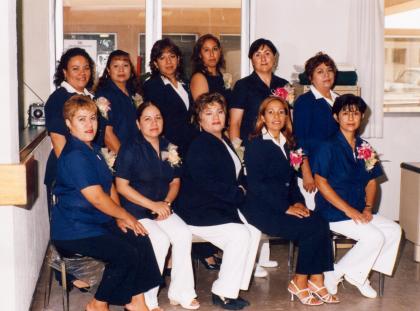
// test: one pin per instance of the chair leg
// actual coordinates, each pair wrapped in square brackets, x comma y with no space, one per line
[334,244]
[196,265]
[48,284]
[291,257]
[381,284]
[65,292]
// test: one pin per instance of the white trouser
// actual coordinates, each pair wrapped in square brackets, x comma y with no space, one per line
[309,197]
[239,243]
[172,230]
[376,247]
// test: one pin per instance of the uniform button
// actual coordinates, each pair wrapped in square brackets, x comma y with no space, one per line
[287,184]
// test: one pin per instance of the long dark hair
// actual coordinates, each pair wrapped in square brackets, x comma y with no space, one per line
[197,62]
[64,61]
[287,130]
[132,84]
[166,45]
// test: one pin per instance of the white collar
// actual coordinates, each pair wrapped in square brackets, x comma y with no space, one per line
[166,81]
[268,136]
[318,95]
[71,89]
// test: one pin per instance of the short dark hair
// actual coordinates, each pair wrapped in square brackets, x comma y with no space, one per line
[319,58]
[257,44]
[64,61]
[133,83]
[205,100]
[349,102]
[158,49]
[140,109]
[197,62]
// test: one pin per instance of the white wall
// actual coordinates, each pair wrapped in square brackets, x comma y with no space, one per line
[299,29]
[24,233]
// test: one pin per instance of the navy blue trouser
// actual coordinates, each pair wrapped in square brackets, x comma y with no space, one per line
[130,263]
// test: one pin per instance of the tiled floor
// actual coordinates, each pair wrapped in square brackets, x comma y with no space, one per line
[402,292]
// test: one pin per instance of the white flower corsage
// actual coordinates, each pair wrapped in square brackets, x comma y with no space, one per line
[103,106]
[171,155]
[227,80]
[137,100]
[239,149]
[109,157]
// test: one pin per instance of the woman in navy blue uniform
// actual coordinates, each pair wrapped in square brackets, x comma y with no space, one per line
[312,117]
[72,76]
[346,168]
[170,93]
[148,180]
[82,220]
[121,88]
[211,193]
[247,96]
[250,91]
[275,205]
[208,62]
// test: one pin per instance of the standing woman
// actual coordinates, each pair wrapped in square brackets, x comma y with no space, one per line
[275,205]
[210,195]
[147,177]
[247,96]
[166,89]
[120,87]
[250,91]
[312,118]
[72,76]
[82,220]
[208,62]
[346,168]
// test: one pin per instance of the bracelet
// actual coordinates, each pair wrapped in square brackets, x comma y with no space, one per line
[168,203]
[368,206]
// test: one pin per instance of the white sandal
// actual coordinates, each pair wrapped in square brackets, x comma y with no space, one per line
[190,306]
[327,298]
[309,300]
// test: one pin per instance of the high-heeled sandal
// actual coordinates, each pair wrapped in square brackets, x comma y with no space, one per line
[327,298]
[309,300]
[190,306]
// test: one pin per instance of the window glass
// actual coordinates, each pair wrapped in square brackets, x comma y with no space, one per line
[187,20]
[402,57]
[100,26]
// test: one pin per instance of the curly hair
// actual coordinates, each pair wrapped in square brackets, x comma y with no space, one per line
[64,61]
[132,84]
[205,100]
[197,61]
[319,58]
[166,45]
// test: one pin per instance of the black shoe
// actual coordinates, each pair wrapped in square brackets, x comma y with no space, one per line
[209,266]
[242,301]
[218,260]
[226,303]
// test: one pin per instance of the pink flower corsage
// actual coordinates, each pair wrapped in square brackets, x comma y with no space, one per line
[103,106]
[365,152]
[296,158]
[287,93]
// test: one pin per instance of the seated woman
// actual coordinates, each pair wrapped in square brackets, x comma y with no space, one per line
[275,205]
[346,168]
[147,177]
[209,199]
[82,220]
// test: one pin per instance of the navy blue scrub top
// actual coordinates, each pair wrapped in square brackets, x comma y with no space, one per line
[248,94]
[122,116]
[313,123]
[146,172]
[55,123]
[346,174]
[79,167]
